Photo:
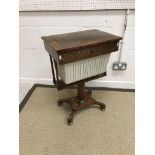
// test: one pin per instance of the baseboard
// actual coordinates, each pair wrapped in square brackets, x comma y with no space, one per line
[27,83]
[30,91]
[94,83]
[112,84]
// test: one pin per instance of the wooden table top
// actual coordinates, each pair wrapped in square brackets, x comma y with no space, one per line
[77,40]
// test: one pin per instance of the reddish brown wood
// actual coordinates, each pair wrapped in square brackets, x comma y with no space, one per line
[89,52]
[76,40]
[81,91]
[51,51]
[76,104]
[69,47]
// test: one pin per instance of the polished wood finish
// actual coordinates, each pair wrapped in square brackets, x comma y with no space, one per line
[76,40]
[70,47]
[81,91]
[85,53]
[77,105]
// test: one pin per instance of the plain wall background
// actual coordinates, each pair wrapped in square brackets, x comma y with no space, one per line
[34,60]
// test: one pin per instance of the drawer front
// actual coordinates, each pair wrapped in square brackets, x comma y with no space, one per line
[85,53]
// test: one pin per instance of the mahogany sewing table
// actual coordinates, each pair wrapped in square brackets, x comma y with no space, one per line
[72,47]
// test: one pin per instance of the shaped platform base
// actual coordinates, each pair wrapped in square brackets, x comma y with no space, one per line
[79,102]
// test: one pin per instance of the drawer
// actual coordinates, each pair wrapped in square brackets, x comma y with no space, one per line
[85,53]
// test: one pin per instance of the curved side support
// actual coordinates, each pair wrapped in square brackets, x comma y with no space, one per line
[70,118]
[102,105]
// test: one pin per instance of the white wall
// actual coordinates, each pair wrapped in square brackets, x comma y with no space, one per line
[34,60]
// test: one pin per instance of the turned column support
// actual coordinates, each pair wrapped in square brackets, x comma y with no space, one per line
[81,91]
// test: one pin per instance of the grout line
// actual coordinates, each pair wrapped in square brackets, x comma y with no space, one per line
[75,26]
[79,10]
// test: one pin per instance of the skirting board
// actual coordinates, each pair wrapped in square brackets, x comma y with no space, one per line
[94,83]
[27,83]
[30,91]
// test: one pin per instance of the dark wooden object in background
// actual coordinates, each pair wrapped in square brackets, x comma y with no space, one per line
[70,47]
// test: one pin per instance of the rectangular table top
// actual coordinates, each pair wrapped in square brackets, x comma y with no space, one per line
[77,40]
